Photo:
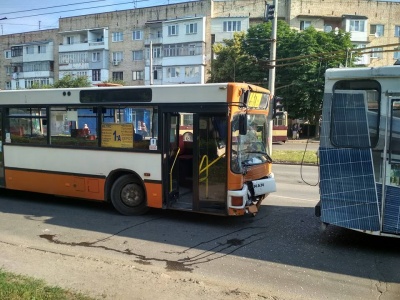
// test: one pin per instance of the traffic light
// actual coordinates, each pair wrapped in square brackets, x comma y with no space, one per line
[269,12]
[278,109]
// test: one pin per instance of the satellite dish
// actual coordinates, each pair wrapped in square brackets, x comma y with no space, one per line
[328,28]
[377,34]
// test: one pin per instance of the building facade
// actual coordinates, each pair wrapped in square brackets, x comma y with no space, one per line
[171,44]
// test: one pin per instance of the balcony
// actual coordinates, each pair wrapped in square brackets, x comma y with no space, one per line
[84,46]
[155,40]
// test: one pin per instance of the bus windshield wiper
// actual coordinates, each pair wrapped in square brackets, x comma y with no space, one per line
[261,152]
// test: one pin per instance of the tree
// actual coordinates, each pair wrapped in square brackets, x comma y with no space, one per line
[233,63]
[68,81]
[301,60]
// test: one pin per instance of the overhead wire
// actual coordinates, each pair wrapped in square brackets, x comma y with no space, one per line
[43,8]
[57,12]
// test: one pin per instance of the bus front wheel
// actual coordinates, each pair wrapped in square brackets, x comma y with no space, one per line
[128,196]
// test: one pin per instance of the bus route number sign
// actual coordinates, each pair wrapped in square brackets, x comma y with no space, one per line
[117,135]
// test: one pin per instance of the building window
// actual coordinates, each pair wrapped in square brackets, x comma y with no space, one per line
[304,25]
[172,72]
[117,56]
[192,49]
[137,35]
[8,85]
[30,50]
[357,25]
[173,30]
[376,53]
[95,56]
[157,52]
[137,55]
[96,75]
[117,76]
[117,36]
[377,30]
[41,49]
[189,71]
[397,30]
[137,75]
[191,28]
[7,54]
[396,54]
[16,51]
[230,26]
[169,50]
[70,40]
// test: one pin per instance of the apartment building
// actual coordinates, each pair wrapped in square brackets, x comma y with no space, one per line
[84,53]
[28,59]
[169,44]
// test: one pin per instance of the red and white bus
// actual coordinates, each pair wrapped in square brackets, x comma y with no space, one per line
[280,128]
[86,143]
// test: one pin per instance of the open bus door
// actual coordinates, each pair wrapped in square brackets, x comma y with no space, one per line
[196,174]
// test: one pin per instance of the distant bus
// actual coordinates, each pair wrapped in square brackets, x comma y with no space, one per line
[360,150]
[280,129]
[129,146]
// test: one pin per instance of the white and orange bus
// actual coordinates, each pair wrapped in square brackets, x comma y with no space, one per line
[86,143]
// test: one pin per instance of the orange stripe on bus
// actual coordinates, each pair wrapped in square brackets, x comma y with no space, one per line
[56,184]
[154,194]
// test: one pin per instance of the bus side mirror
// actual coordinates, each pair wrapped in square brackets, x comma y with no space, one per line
[242,124]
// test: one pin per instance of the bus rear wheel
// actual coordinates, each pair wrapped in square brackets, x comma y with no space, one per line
[128,196]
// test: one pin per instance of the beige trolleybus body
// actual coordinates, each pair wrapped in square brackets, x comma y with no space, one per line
[125,145]
[360,150]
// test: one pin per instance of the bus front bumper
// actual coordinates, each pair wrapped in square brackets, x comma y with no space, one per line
[249,198]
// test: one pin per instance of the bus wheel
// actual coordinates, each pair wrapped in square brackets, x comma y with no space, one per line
[128,196]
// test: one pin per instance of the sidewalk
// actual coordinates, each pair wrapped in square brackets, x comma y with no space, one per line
[303,140]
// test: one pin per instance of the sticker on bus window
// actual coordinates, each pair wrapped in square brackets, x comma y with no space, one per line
[153,144]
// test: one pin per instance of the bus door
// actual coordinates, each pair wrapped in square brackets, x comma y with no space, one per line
[195,167]
[392,187]
[2,183]
[180,157]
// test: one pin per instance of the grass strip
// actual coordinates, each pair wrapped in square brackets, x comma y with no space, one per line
[294,157]
[19,287]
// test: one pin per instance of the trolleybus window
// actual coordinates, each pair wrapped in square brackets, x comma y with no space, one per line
[355,114]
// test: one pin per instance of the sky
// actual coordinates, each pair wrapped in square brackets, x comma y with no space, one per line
[31,15]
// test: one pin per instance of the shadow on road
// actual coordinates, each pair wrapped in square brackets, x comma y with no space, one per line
[280,234]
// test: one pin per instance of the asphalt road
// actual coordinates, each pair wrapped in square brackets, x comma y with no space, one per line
[282,253]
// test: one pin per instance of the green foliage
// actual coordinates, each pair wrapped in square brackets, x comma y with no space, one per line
[301,60]
[121,82]
[68,81]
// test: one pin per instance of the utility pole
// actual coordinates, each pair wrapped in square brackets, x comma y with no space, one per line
[272,14]
[151,63]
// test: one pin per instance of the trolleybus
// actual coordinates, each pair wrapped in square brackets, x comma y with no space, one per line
[360,150]
[89,143]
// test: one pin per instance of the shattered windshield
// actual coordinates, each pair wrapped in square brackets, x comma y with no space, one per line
[249,149]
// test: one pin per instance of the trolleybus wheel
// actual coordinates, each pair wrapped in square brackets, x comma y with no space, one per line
[128,196]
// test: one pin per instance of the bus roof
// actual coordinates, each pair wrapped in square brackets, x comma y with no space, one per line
[367,72]
[181,93]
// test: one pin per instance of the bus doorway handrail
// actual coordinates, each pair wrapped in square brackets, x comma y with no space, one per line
[205,158]
[172,168]
[205,178]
